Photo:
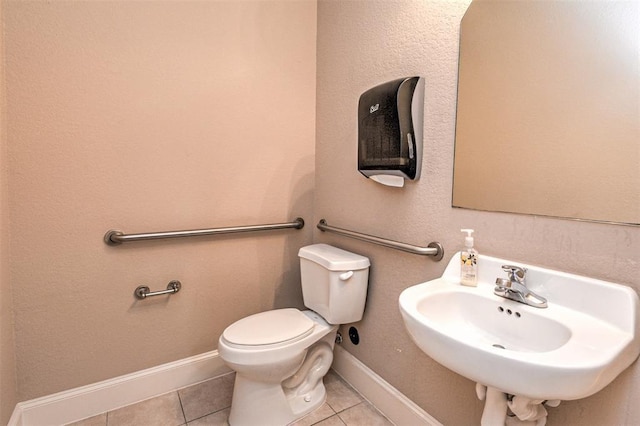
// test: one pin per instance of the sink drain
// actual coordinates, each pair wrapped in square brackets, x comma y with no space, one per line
[495,345]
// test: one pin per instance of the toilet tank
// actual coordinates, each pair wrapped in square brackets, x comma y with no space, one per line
[334,282]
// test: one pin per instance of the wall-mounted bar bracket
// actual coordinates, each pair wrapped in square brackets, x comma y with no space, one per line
[142,292]
[434,249]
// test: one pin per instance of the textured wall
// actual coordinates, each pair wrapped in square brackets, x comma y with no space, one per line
[140,116]
[7,354]
[151,116]
[361,44]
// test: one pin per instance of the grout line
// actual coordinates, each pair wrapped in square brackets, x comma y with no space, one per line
[205,415]
[339,418]
[184,415]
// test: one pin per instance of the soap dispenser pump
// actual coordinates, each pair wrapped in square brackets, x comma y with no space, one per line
[468,261]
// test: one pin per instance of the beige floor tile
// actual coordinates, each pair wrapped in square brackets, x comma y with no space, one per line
[340,395]
[207,397]
[208,404]
[219,418]
[99,420]
[333,421]
[363,414]
[321,413]
[163,410]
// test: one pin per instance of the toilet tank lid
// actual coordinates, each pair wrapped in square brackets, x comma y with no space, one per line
[333,258]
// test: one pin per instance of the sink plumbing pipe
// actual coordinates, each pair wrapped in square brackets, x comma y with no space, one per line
[502,409]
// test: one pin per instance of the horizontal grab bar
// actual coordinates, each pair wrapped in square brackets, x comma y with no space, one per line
[115,237]
[142,291]
[433,249]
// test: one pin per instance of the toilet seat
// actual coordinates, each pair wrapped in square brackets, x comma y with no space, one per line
[269,328]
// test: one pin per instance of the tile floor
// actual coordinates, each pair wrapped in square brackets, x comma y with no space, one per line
[207,404]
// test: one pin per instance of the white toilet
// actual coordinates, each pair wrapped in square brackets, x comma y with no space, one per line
[281,356]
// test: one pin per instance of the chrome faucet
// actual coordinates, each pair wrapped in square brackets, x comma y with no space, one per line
[514,288]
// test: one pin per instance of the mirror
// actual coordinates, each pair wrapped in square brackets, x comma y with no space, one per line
[548,116]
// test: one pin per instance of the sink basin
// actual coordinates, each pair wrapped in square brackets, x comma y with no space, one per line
[488,323]
[576,346]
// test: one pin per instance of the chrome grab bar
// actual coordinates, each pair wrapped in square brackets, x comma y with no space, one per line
[142,291]
[434,249]
[115,237]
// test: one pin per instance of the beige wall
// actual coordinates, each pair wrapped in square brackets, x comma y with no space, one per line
[151,116]
[165,115]
[8,396]
[361,44]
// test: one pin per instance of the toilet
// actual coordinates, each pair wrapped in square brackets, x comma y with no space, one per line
[281,356]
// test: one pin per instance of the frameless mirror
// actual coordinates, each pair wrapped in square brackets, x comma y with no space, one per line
[548,116]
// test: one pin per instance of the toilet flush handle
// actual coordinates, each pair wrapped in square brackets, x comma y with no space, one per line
[346,275]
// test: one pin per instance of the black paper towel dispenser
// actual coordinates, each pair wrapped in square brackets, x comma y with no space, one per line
[390,121]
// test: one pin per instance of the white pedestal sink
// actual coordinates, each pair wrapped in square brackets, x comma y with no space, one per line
[588,334]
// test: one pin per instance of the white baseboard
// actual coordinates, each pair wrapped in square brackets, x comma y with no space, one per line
[87,401]
[393,404]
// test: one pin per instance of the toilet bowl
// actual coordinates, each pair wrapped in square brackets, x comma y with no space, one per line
[261,395]
[281,356]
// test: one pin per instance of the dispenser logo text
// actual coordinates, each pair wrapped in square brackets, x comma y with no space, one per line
[374,108]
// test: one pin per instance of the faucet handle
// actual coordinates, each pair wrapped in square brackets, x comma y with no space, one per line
[502,284]
[516,273]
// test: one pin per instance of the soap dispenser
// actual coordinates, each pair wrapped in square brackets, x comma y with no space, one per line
[468,261]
